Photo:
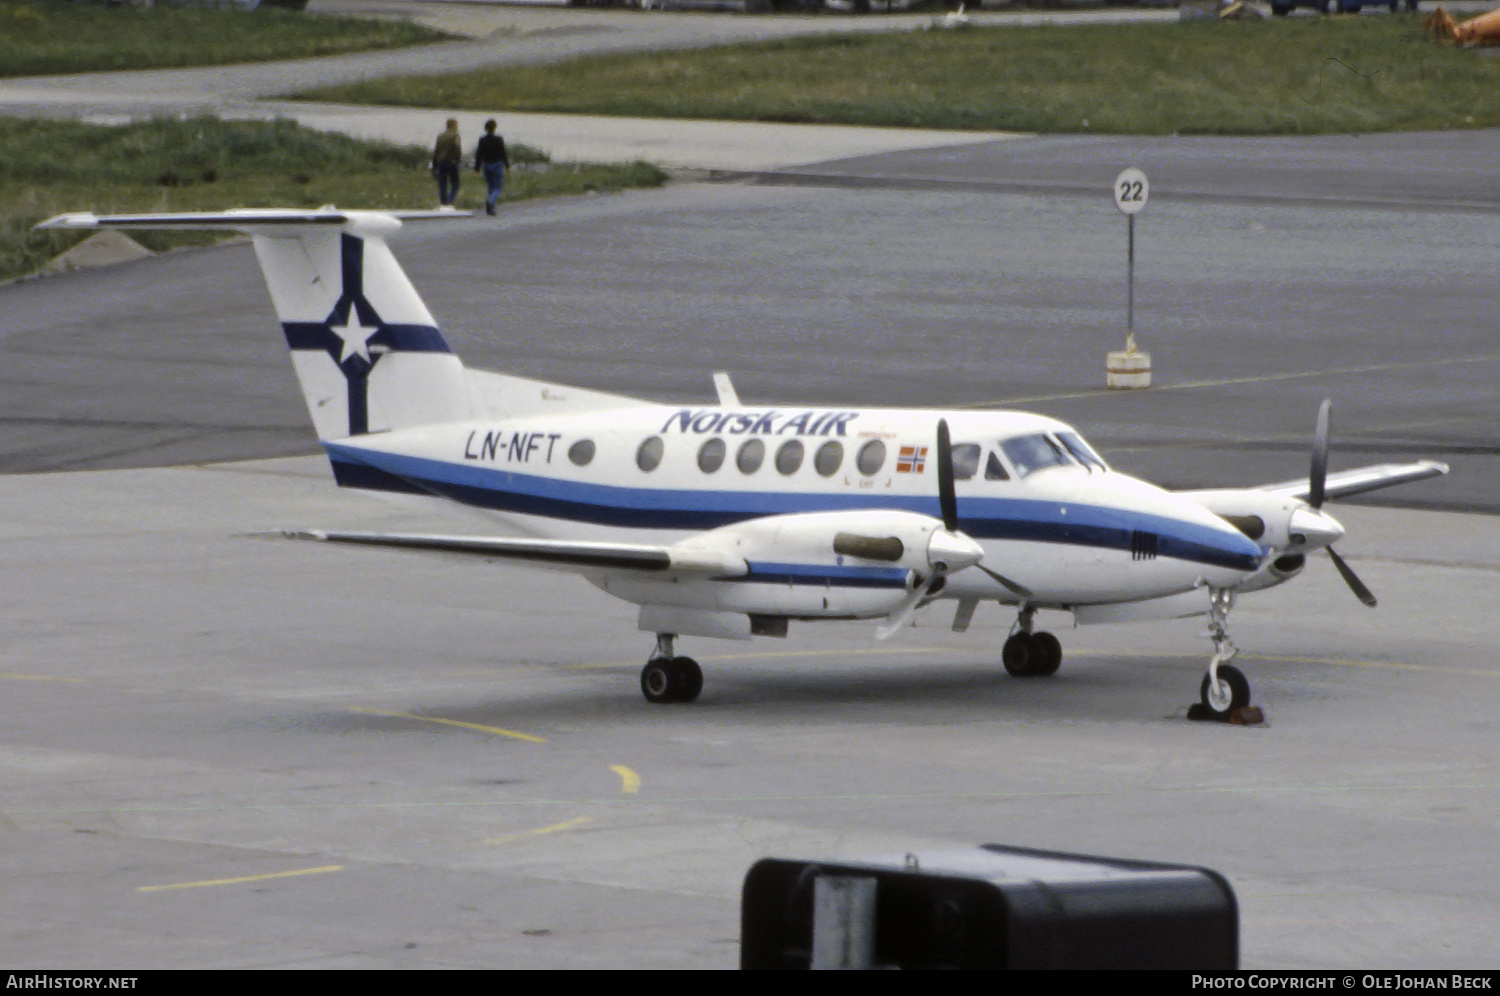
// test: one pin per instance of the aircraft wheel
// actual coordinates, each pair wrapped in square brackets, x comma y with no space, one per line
[1233,692]
[660,681]
[1048,651]
[1020,655]
[689,678]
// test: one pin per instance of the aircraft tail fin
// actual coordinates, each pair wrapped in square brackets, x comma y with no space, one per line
[366,350]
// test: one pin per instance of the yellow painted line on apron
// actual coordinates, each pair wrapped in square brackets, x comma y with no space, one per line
[237,881]
[1295,659]
[630,782]
[576,821]
[41,677]
[495,730]
[1192,385]
[772,655]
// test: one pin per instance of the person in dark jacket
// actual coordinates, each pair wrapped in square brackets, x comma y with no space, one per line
[447,153]
[491,160]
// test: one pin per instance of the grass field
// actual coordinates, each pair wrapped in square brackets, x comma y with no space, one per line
[1281,76]
[208,164]
[64,36]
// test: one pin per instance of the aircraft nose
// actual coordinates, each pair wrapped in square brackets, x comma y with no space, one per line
[952,552]
[1312,529]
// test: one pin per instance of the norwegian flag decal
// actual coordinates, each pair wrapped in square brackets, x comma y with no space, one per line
[911,460]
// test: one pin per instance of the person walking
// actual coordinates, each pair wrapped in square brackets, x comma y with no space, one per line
[446,155]
[491,160]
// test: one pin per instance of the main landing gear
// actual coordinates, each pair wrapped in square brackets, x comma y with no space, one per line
[668,678]
[1027,654]
[1224,694]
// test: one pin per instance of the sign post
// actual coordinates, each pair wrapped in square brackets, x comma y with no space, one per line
[1129,368]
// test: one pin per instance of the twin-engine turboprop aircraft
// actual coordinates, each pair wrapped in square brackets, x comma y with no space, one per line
[736,520]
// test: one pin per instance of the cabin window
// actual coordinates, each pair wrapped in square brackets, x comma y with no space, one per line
[1029,454]
[994,470]
[582,452]
[751,455]
[711,455]
[1081,451]
[830,456]
[789,457]
[871,457]
[965,461]
[648,457]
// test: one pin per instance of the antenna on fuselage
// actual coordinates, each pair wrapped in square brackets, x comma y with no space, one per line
[728,398]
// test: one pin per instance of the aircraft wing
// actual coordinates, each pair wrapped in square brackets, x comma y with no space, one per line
[569,554]
[1358,481]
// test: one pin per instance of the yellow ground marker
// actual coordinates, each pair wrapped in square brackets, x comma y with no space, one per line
[576,821]
[495,730]
[630,782]
[237,881]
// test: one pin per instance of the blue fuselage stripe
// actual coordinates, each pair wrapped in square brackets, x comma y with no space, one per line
[824,575]
[983,518]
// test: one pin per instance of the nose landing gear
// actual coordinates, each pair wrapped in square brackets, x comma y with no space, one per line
[1224,694]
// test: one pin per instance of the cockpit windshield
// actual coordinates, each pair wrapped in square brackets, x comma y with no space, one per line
[1081,450]
[1029,454]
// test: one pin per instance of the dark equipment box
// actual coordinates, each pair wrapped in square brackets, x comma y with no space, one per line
[989,907]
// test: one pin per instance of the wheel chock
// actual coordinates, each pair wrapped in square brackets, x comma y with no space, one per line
[1243,716]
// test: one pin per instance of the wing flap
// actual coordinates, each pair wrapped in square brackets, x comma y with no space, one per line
[573,554]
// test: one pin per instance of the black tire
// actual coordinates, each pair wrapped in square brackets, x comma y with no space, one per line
[1280,11]
[1239,691]
[659,682]
[1019,656]
[689,678]
[1049,653]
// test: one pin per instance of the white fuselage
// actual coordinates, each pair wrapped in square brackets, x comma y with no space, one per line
[1070,531]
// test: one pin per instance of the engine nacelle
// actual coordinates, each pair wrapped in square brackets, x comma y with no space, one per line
[828,565]
[1279,524]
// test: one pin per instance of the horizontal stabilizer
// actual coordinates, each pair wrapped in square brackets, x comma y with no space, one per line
[1362,479]
[572,554]
[245,219]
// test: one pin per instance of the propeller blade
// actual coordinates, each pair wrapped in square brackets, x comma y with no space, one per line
[1007,582]
[1319,472]
[1351,579]
[947,499]
[903,613]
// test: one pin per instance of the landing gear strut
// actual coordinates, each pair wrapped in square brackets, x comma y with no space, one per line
[1225,690]
[1027,654]
[668,678]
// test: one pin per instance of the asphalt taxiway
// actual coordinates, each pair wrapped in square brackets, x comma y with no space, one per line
[225,750]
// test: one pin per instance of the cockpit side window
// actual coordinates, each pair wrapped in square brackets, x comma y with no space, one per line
[1081,450]
[994,470]
[1029,454]
[965,460]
